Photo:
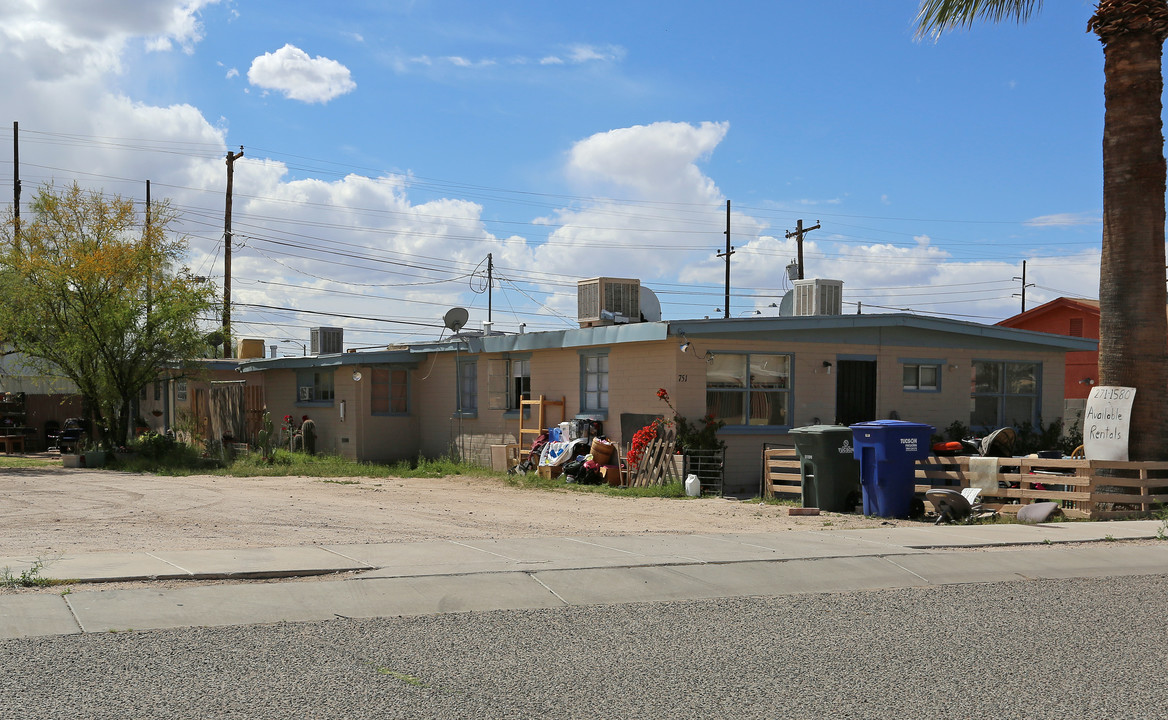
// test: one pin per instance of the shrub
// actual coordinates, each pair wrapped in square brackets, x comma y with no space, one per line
[152,445]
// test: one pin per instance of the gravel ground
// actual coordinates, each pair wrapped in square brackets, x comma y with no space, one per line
[1051,649]
[54,511]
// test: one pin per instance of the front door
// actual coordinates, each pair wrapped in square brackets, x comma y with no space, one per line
[855,391]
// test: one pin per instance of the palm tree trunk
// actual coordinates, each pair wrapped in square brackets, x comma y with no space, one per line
[1133,344]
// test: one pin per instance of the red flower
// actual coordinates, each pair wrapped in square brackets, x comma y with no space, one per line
[641,441]
[662,394]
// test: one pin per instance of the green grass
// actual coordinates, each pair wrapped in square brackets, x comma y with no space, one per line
[533,481]
[19,462]
[405,678]
[335,469]
[183,462]
[781,501]
[29,577]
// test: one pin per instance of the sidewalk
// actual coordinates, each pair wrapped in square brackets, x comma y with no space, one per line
[469,575]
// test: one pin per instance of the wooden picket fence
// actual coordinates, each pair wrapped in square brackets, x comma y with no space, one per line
[656,465]
[1095,489]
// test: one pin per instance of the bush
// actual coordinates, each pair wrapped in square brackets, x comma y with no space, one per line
[152,445]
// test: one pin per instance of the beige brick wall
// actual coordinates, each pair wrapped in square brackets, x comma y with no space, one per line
[636,371]
[361,435]
[440,431]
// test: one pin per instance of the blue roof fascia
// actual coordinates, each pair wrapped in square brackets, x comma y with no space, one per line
[377,357]
[865,329]
[578,337]
[551,339]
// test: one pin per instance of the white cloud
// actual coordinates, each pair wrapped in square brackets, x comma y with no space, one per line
[55,39]
[657,161]
[668,221]
[595,53]
[1064,220]
[232,73]
[292,72]
[574,55]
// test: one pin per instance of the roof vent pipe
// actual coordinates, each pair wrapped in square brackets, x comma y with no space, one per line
[487,327]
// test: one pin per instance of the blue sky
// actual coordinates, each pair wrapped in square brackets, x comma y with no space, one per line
[389,146]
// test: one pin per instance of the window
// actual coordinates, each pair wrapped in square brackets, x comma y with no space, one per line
[389,391]
[180,390]
[314,386]
[468,387]
[508,382]
[922,376]
[594,383]
[1004,393]
[520,385]
[749,389]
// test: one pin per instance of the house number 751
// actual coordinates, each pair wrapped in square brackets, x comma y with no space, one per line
[682,378]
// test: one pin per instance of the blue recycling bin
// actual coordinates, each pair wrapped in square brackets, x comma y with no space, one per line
[888,451]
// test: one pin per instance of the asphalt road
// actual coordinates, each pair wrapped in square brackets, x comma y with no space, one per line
[1030,649]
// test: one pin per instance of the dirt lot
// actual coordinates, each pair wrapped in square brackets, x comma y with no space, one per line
[52,511]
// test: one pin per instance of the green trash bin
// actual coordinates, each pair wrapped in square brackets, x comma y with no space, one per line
[828,466]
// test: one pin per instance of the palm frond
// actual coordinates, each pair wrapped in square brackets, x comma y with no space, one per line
[937,16]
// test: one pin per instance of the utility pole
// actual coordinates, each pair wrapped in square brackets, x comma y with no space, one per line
[231,158]
[149,259]
[490,284]
[16,181]
[798,235]
[727,254]
[1024,286]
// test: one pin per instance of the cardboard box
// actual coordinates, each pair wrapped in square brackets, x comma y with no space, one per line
[550,471]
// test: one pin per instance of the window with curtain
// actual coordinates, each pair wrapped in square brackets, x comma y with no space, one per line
[749,388]
[1004,393]
[388,389]
[922,376]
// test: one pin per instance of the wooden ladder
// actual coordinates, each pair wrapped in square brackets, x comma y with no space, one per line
[539,417]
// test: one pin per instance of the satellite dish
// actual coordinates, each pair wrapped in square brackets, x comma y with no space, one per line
[455,319]
[787,304]
[650,305]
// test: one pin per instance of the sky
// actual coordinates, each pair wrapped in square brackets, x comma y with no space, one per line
[390,146]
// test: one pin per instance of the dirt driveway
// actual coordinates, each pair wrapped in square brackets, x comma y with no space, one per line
[50,511]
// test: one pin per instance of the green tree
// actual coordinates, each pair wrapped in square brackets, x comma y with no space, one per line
[90,290]
[1133,330]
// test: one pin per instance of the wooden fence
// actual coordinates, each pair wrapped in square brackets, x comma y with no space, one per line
[1096,489]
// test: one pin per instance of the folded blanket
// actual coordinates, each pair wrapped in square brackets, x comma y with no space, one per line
[983,473]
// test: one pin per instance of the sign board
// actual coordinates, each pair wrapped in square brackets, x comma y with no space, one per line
[1107,421]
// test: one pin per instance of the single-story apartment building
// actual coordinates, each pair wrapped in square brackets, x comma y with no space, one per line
[762,376]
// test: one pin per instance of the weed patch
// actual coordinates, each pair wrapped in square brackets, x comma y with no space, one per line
[29,577]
